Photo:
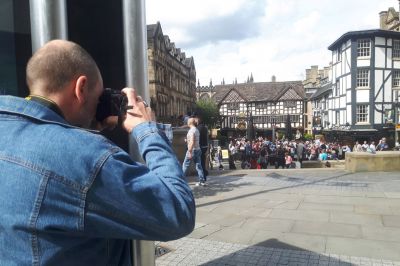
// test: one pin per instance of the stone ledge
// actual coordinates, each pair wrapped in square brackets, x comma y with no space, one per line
[388,161]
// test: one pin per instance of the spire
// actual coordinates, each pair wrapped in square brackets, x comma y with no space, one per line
[248,79]
[198,82]
[251,78]
[235,80]
[210,82]
[223,81]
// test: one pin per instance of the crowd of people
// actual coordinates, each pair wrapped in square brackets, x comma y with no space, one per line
[262,153]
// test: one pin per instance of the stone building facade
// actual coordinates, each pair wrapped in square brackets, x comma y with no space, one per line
[389,20]
[172,76]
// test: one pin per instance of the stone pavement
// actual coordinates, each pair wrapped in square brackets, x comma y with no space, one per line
[293,217]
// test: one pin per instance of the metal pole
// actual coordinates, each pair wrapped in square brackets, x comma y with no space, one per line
[135,50]
[396,117]
[48,21]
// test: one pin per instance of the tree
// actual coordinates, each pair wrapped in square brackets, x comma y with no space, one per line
[209,112]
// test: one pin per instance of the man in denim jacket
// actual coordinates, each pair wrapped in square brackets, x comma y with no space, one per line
[69,196]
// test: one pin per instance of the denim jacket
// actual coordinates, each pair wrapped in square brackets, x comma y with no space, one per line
[71,197]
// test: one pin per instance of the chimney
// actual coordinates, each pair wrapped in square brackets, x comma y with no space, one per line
[273,78]
[382,20]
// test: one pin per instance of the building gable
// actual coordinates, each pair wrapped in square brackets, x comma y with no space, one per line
[233,96]
[289,95]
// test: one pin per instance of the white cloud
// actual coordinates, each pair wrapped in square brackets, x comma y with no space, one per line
[233,38]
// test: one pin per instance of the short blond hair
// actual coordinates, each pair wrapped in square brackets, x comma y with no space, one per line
[191,121]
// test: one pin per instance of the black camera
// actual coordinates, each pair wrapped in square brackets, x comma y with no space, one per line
[111,103]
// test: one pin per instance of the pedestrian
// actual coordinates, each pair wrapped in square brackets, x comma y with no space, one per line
[68,195]
[300,150]
[232,154]
[203,142]
[288,160]
[193,153]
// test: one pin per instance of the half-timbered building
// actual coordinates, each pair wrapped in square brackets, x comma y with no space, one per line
[365,84]
[264,105]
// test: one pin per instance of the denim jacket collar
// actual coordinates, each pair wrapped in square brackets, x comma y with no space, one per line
[33,110]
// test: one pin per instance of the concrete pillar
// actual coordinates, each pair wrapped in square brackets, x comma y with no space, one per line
[48,21]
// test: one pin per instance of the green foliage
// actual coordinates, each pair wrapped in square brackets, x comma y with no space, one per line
[307,136]
[209,111]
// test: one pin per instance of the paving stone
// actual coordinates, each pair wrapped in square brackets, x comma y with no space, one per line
[306,215]
[327,229]
[381,233]
[363,247]
[276,225]
[353,218]
[391,220]
[326,206]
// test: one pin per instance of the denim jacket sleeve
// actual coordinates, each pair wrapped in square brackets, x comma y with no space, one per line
[130,200]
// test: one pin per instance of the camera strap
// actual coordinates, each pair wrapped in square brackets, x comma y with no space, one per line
[46,102]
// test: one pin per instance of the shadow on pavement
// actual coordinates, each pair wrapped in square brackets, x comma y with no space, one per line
[214,186]
[275,252]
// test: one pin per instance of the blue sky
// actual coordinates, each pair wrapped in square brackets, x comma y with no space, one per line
[232,38]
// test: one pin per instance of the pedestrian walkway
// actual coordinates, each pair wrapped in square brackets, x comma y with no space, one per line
[293,217]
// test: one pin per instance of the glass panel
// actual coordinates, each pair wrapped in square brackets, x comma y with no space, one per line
[15,48]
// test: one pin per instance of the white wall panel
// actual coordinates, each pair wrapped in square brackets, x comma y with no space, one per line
[389,42]
[348,60]
[388,94]
[378,84]
[380,41]
[348,97]
[378,117]
[342,102]
[348,114]
[389,58]
[380,57]
[396,64]
[363,62]
[362,96]
[388,87]
[348,81]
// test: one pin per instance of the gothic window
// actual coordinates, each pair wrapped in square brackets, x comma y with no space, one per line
[363,47]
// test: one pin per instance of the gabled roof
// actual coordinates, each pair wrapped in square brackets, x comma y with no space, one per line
[260,91]
[363,34]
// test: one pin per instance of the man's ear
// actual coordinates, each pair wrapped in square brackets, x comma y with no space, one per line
[81,89]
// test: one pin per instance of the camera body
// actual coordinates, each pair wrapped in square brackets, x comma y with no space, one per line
[111,103]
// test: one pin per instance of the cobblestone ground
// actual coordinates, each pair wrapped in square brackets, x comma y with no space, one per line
[189,251]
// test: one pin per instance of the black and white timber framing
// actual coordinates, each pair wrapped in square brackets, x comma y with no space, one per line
[267,103]
[365,81]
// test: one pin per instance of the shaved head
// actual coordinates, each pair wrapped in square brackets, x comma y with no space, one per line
[56,64]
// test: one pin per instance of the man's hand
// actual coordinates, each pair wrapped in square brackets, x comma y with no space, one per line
[138,112]
[190,155]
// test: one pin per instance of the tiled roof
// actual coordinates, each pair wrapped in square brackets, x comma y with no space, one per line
[326,88]
[259,91]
